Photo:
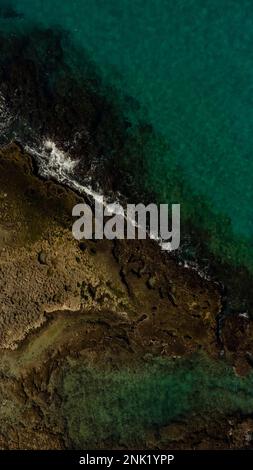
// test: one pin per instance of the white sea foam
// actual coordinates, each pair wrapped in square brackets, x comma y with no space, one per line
[5,116]
[55,163]
[193,266]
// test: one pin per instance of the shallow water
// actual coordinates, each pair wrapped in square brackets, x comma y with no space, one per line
[127,403]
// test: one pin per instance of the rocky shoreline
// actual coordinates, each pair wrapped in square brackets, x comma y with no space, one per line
[46,93]
[106,305]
